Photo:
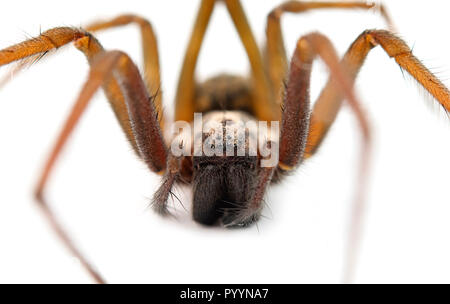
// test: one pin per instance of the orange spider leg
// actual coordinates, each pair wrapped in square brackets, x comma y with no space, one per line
[49,40]
[58,37]
[329,102]
[263,103]
[152,72]
[148,135]
[146,132]
[184,100]
[94,81]
[276,60]
[330,99]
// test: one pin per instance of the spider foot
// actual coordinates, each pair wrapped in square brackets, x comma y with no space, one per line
[159,200]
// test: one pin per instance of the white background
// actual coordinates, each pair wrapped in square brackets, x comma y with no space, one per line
[101,191]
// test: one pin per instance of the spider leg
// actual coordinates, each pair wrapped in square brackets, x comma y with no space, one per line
[49,40]
[58,37]
[295,124]
[275,53]
[308,134]
[147,132]
[184,100]
[263,102]
[132,92]
[330,100]
[171,175]
[296,118]
[151,73]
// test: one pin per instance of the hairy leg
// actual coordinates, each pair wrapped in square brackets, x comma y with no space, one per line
[296,118]
[295,124]
[276,60]
[330,100]
[85,42]
[151,74]
[328,105]
[146,132]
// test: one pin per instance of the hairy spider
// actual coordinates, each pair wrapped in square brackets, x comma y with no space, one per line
[227,189]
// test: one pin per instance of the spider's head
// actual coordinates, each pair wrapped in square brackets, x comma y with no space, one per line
[225,174]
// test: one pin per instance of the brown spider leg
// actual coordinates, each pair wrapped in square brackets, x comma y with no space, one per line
[145,128]
[276,60]
[58,37]
[139,104]
[151,73]
[330,99]
[263,102]
[295,122]
[184,100]
[171,175]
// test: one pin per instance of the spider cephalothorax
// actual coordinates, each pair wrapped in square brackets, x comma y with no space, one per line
[222,164]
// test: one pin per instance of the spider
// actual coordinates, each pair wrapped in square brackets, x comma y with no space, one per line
[227,190]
